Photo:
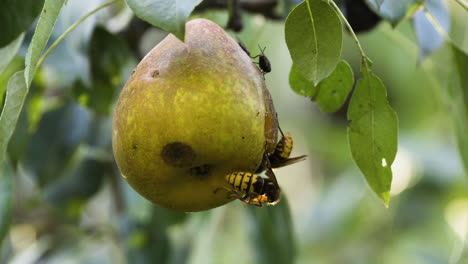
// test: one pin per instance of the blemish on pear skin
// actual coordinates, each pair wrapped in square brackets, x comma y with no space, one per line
[155,73]
[201,171]
[178,154]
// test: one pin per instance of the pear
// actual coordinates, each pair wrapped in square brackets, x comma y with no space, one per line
[190,114]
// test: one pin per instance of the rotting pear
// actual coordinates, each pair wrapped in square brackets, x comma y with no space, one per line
[190,114]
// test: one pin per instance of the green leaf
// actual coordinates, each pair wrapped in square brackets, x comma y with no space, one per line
[21,137]
[8,52]
[35,104]
[45,25]
[6,199]
[459,104]
[17,64]
[313,34]
[108,54]
[300,84]
[83,182]
[461,62]
[48,159]
[16,94]
[428,37]
[331,93]
[379,3]
[168,15]
[15,17]
[393,11]
[271,233]
[147,238]
[373,132]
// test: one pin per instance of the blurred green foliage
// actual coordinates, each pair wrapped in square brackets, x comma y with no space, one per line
[16,16]
[108,54]
[69,202]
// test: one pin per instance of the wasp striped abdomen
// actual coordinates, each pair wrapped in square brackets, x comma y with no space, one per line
[252,189]
[245,182]
[280,157]
[284,147]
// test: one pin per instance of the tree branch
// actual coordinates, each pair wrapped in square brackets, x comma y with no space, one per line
[262,7]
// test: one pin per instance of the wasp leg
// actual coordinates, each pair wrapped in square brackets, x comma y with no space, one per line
[281,131]
[236,194]
[255,201]
[231,193]
[247,199]
[258,204]
[220,188]
[250,202]
[241,198]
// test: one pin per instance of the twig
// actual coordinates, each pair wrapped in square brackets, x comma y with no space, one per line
[437,26]
[364,57]
[266,8]
[463,4]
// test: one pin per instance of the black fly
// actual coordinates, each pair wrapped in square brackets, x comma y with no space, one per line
[263,61]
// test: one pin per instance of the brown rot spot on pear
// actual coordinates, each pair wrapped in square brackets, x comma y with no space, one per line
[178,154]
[155,73]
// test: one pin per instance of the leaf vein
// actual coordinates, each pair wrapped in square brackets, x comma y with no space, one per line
[315,48]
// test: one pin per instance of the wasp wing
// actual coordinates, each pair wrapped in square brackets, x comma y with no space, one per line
[285,162]
[269,172]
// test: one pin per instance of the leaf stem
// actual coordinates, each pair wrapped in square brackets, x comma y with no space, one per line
[364,57]
[437,26]
[70,29]
[463,4]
